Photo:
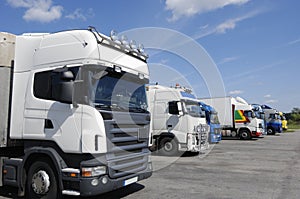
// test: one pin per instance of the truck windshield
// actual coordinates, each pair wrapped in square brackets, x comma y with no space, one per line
[214,118]
[277,116]
[110,90]
[249,114]
[193,108]
[274,116]
[259,115]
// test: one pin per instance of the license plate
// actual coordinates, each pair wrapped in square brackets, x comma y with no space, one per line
[130,181]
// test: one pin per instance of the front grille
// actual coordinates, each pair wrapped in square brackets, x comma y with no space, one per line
[217,131]
[127,146]
[202,138]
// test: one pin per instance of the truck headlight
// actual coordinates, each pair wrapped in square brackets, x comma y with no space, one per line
[198,128]
[203,129]
[93,171]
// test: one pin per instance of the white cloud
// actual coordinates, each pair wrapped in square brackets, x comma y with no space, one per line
[227,25]
[38,10]
[271,101]
[189,8]
[267,96]
[294,42]
[223,27]
[235,92]
[79,14]
[231,23]
[228,59]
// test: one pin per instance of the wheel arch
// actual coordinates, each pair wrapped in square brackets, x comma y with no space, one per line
[243,129]
[50,154]
[165,134]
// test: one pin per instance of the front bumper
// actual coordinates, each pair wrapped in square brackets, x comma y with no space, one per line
[101,184]
[256,134]
[214,138]
[87,189]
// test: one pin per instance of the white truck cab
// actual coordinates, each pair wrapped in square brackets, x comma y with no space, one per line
[76,113]
[176,120]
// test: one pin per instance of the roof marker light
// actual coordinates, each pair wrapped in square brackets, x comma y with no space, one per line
[124,41]
[141,76]
[141,48]
[133,45]
[117,69]
[114,35]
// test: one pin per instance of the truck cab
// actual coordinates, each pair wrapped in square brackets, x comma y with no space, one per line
[283,121]
[260,115]
[212,120]
[176,122]
[76,113]
[245,117]
[273,120]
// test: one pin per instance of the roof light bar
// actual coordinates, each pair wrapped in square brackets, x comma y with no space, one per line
[123,44]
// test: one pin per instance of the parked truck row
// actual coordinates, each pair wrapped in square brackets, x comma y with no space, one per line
[240,119]
[78,115]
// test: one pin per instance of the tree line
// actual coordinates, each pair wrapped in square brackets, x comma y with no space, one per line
[294,115]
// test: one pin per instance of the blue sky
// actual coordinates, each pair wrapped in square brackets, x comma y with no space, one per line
[255,44]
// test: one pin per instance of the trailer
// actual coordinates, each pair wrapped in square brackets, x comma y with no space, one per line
[74,118]
[236,117]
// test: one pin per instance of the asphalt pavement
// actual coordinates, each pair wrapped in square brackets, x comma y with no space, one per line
[267,167]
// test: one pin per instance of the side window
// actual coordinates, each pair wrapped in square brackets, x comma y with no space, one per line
[42,85]
[248,114]
[55,85]
[173,109]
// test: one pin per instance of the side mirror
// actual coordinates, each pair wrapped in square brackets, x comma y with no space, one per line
[79,94]
[63,92]
[63,87]
[180,108]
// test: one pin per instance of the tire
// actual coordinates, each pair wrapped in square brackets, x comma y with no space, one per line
[270,131]
[168,146]
[245,135]
[42,182]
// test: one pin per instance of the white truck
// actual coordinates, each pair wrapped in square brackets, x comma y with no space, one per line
[176,121]
[236,117]
[74,117]
[260,114]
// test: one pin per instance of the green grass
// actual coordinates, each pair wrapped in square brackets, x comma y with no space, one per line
[292,126]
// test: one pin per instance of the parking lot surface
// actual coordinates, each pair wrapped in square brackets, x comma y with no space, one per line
[267,167]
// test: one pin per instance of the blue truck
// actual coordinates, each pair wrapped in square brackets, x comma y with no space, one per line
[212,120]
[273,120]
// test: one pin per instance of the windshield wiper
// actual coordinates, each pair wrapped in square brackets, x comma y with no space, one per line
[102,106]
[137,109]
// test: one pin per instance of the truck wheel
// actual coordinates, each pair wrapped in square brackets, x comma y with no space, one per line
[270,131]
[245,135]
[168,146]
[42,181]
